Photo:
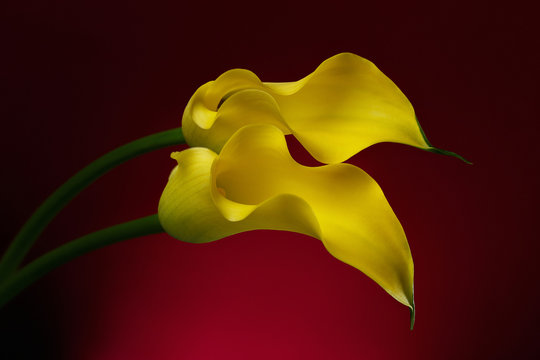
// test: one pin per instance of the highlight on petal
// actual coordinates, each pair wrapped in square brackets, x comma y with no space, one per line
[346,105]
[255,184]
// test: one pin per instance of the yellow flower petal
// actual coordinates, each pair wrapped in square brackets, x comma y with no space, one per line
[344,106]
[255,184]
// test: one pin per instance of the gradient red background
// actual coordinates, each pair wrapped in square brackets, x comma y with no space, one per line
[81,78]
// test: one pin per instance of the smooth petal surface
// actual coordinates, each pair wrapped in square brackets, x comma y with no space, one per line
[344,106]
[255,184]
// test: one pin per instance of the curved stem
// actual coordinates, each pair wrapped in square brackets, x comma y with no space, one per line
[41,266]
[63,195]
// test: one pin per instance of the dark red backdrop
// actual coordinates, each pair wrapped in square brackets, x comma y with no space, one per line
[81,78]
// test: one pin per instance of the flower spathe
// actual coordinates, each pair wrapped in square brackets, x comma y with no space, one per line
[346,105]
[239,176]
[254,183]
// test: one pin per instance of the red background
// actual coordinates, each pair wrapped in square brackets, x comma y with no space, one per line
[81,78]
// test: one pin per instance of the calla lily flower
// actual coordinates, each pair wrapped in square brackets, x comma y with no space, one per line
[347,104]
[254,183]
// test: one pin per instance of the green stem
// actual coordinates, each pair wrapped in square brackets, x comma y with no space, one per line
[61,255]
[63,195]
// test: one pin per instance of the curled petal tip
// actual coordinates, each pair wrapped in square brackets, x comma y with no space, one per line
[176,155]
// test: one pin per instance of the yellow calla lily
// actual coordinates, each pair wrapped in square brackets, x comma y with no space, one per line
[344,106]
[254,183]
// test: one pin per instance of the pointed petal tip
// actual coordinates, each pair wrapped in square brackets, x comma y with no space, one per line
[413,314]
[435,150]
[448,153]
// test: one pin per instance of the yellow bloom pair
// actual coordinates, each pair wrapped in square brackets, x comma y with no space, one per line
[239,176]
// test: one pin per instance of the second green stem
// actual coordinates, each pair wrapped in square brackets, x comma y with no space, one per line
[54,203]
[61,255]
